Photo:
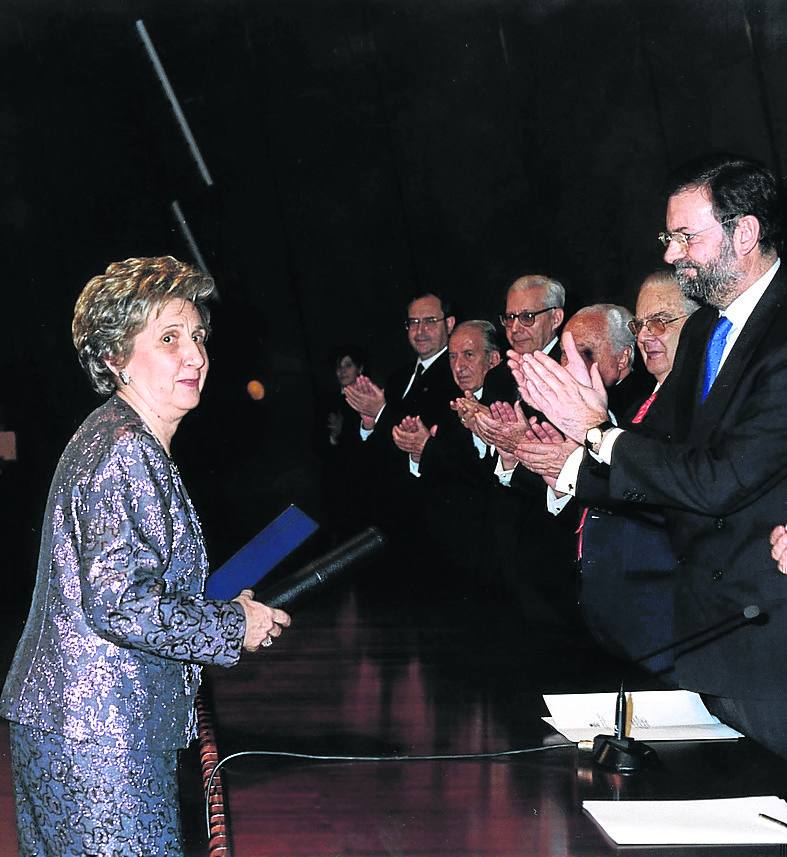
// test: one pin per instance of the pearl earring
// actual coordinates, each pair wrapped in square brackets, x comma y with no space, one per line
[124,377]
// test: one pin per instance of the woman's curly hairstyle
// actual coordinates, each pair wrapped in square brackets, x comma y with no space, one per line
[114,307]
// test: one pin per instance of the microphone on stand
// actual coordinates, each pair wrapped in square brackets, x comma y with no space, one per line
[739,618]
[619,752]
[626,755]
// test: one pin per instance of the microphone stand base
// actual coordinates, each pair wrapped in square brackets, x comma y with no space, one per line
[624,755]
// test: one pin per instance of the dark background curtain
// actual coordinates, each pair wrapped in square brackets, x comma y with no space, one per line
[360,150]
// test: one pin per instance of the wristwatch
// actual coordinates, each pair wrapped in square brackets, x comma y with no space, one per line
[594,436]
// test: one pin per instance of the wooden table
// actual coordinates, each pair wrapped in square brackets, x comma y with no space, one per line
[378,669]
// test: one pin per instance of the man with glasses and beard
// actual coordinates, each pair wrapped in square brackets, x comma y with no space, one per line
[718,463]
[422,389]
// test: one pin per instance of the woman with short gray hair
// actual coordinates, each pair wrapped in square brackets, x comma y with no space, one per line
[101,691]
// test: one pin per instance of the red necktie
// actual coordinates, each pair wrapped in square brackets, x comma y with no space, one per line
[644,408]
[638,417]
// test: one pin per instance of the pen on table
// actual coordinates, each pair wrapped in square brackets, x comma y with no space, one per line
[620,714]
[774,820]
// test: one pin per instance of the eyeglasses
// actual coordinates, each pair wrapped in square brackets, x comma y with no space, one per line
[526,318]
[655,325]
[429,323]
[683,239]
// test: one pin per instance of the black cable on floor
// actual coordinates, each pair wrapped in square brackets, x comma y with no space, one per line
[317,758]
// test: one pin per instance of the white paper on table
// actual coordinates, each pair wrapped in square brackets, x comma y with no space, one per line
[653,715]
[726,821]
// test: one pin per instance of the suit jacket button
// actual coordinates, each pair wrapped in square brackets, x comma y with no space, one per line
[719,523]
[718,574]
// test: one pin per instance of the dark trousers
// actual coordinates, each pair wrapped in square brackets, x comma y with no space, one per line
[762,720]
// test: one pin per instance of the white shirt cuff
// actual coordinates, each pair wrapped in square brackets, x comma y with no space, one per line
[555,504]
[503,475]
[415,467]
[367,433]
[567,480]
[605,450]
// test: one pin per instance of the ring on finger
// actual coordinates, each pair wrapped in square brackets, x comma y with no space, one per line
[268,641]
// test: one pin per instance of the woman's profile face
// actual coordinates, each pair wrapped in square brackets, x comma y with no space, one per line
[168,362]
[347,370]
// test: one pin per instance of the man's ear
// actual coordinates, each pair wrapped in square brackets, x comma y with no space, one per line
[747,234]
[494,359]
[557,318]
[450,321]
[624,360]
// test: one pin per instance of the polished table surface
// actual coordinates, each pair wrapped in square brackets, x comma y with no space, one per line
[384,669]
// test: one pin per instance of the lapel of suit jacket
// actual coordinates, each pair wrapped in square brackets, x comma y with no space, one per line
[754,331]
[686,378]
[395,385]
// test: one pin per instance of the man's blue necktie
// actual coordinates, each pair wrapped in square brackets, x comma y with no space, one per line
[713,355]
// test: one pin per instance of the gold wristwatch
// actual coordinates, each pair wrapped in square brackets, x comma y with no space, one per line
[595,436]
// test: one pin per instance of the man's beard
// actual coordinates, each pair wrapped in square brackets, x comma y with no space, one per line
[714,283]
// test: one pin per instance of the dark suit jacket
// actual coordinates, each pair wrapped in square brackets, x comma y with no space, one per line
[499,384]
[627,570]
[394,492]
[630,393]
[721,478]
[456,486]
[452,453]
[536,548]
[429,397]
[500,538]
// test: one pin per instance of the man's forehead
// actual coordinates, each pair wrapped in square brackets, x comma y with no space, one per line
[425,306]
[653,300]
[462,339]
[588,325]
[688,205]
[531,297]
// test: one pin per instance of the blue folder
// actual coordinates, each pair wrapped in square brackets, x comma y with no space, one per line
[267,549]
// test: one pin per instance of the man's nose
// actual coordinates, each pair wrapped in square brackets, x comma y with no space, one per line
[673,251]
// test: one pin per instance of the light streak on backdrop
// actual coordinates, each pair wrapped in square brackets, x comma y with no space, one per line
[187,234]
[173,100]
